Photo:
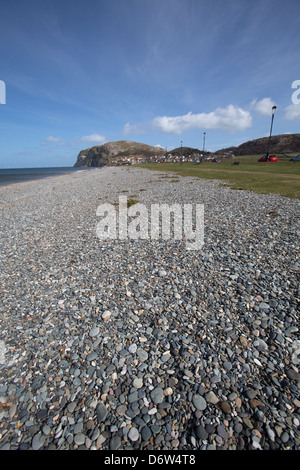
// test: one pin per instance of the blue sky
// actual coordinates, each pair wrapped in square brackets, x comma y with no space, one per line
[77,74]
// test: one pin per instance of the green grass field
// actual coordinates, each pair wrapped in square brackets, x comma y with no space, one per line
[282,177]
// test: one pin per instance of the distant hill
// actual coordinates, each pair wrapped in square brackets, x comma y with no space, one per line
[185,151]
[284,143]
[105,154]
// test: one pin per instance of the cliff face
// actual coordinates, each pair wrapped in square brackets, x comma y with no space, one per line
[283,143]
[104,154]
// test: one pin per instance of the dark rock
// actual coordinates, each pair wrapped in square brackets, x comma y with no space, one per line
[101,412]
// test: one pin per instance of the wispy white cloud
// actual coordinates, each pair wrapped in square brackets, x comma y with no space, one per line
[292,112]
[132,129]
[56,140]
[93,138]
[229,119]
[52,140]
[263,107]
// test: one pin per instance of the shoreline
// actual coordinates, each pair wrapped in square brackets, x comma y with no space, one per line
[5,185]
[141,344]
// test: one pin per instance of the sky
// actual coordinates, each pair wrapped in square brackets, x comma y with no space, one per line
[162,72]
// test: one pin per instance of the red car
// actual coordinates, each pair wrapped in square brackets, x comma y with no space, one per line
[272,158]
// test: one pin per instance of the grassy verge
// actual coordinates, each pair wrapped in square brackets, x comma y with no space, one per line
[282,177]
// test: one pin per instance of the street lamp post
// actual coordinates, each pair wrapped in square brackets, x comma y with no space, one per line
[272,119]
[204,133]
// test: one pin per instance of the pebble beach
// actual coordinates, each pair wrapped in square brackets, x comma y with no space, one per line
[142,344]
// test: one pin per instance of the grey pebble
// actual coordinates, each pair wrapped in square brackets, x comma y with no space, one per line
[79,439]
[199,402]
[146,433]
[92,356]
[101,412]
[127,344]
[94,331]
[38,441]
[201,432]
[133,434]
[211,397]
[115,443]
[157,395]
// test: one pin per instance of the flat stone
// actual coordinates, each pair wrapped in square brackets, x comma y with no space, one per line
[226,407]
[121,410]
[243,341]
[293,375]
[133,434]
[201,433]
[138,383]
[38,441]
[157,395]
[146,433]
[199,402]
[142,355]
[94,331]
[132,397]
[101,412]
[162,273]
[250,394]
[254,403]
[91,356]
[211,397]
[222,432]
[132,348]
[115,443]
[79,439]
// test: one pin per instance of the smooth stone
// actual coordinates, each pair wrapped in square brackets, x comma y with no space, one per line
[142,355]
[91,356]
[201,433]
[199,402]
[222,432]
[211,397]
[46,429]
[238,427]
[78,428]
[132,348]
[132,397]
[121,410]
[157,395]
[115,443]
[13,410]
[250,394]
[79,439]
[293,375]
[162,273]
[133,434]
[138,383]
[284,437]
[165,357]
[101,412]
[38,441]
[94,331]
[227,365]
[254,403]
[146,433]
[71,407]
[226,407]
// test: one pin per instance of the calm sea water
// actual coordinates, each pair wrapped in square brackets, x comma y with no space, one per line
[19,175]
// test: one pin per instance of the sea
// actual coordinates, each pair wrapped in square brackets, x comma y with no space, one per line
[21,175]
